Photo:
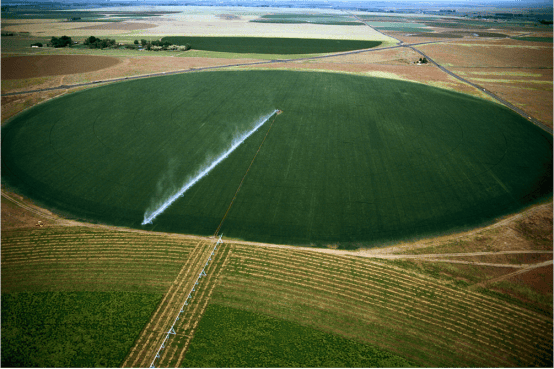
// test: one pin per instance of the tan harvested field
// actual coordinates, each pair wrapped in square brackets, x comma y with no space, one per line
[491,53]
[517,71]
[118,26]
[22,67]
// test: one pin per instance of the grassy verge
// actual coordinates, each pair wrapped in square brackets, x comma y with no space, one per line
[229,337]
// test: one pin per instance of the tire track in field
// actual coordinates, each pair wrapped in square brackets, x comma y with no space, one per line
[525,269]
[175,350]
[245,174]
[151,337]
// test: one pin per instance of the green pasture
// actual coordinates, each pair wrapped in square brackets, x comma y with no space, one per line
[231,338]
[352,161]
[72,329]
[267,45]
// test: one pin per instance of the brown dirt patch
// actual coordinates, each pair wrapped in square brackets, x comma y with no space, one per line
[117,26]
[539,279]
[21,67]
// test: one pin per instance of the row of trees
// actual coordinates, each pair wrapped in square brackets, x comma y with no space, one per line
[157,45]
[98,43]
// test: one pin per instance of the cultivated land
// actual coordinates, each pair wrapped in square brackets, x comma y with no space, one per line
[488,291]
[331,168]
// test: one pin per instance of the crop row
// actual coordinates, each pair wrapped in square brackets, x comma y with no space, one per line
[362,268]
[70,259]
[459,321]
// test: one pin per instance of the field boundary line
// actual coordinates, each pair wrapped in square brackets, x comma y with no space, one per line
[245,174]
[327,305]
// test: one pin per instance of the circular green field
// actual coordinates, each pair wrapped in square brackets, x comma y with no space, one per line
[351,161]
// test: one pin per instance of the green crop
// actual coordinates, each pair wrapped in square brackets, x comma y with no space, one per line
[268,45]
[228,337]
[72,329]
[351,162]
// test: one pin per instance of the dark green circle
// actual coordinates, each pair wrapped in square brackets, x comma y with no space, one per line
[351,161]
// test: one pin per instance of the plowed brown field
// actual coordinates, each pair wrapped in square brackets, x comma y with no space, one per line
[20,67]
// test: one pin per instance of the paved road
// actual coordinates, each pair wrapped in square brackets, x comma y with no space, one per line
[65,87]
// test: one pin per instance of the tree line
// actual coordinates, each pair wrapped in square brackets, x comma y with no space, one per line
[98,43]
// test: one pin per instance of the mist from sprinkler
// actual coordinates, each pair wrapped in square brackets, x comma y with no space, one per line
[202,172]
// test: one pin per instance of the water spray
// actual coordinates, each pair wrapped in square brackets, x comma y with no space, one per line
[149,217]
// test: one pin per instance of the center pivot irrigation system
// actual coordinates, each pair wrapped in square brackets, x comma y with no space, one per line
[172,329]
[148,218]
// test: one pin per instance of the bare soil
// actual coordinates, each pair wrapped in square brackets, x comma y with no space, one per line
[539,279]
[21,67]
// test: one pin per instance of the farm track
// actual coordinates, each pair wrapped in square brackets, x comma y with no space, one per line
[176,347]
[379,296]
[144,350]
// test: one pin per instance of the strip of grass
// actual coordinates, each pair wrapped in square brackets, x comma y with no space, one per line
[266,45]
[352,161]
[78,329]
[228,337]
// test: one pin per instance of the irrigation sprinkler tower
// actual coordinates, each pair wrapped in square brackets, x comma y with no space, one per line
[172,329]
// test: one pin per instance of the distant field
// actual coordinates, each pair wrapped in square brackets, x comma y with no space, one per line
[263,45]
[329,19]
[534,39]
[343,166]
[20,67]
[400,26]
